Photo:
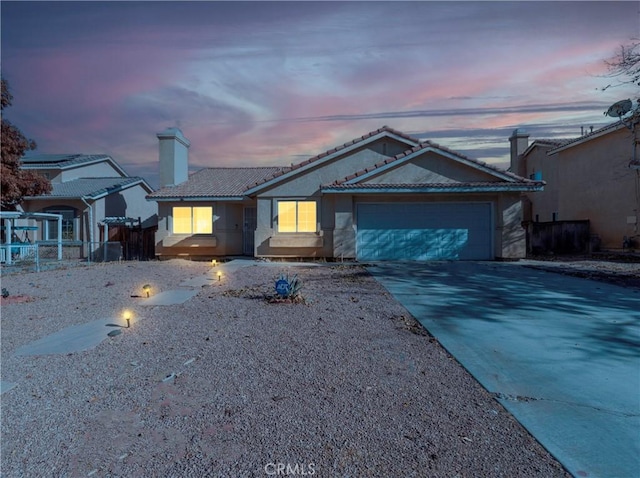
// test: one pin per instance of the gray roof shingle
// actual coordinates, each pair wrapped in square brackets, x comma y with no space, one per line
[87,187]
[216,182]
[58,160]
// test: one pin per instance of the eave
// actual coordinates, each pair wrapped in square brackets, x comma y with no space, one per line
[198,198]
[430,189]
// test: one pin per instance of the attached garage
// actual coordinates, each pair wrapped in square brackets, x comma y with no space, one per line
[424,231]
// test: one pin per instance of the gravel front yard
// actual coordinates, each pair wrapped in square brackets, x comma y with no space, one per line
[345,384]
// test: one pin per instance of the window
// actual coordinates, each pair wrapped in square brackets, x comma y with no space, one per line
[296,216]
[193,220]
[68,225]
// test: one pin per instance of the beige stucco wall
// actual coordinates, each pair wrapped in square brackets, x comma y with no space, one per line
[97,170]
[226,239]
[508,233]
[431,168]
[541,204]
[130,202]
[591,181]
[307,187]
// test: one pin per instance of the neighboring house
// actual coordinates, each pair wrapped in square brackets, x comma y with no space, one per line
[385,195]
[594,178]
[91,192]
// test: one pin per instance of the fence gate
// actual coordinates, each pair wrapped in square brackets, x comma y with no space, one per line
[558,237]
[249,230]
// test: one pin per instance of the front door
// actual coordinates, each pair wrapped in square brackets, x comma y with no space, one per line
[249,230]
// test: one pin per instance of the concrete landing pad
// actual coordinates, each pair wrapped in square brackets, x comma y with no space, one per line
[199,281]
[74,339]
[6,386]
[170,297]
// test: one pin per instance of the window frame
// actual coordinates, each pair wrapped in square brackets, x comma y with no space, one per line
[297,215]
[70,224]
[193,220]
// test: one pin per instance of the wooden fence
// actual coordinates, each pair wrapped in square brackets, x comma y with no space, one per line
[558,237]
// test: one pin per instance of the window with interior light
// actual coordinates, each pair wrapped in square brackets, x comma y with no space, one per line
[297,216]
[192,220]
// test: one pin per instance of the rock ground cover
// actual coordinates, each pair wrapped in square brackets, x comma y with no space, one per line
[344,383]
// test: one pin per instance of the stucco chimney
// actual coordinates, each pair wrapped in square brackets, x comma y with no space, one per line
[174,157]
[519,142]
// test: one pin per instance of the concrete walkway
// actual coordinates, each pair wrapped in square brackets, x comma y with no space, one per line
[562,354]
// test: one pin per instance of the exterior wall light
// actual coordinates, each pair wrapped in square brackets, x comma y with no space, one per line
[147,289]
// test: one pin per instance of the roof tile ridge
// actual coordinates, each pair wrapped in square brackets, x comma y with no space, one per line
[337,149]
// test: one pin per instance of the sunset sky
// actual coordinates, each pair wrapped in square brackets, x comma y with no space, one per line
[271,83]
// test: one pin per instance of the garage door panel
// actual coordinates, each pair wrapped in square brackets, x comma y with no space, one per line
[420,231]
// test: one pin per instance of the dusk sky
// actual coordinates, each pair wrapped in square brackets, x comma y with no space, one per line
[271,83]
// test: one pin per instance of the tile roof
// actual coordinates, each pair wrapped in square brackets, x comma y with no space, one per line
[41,160]
[337,149]
[593,134]
[216,182]
[551,142]
[511,177]
[544,142]
[88,187]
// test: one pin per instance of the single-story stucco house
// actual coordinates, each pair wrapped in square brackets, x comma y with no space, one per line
[383,196]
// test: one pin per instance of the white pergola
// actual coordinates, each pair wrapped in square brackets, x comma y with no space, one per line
[11,216]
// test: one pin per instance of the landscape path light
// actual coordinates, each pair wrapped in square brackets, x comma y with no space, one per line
[147,289]
[127,316]
[219,275]
[214,262]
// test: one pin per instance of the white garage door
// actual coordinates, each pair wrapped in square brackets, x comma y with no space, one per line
[424,231]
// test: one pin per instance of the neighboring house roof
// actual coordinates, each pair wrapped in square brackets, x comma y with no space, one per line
[216,183]
[90,188]
[373,135]
[545,143]
[508,177]
[595,134]
[33,160]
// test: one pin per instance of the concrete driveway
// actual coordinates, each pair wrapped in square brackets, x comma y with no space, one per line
[561,353]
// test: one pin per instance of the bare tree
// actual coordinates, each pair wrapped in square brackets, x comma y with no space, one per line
[624,67]
[15,183]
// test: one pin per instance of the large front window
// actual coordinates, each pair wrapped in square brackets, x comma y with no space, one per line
[296,216]
[193,220]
